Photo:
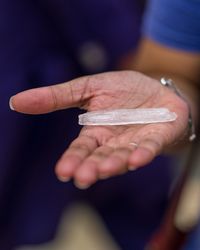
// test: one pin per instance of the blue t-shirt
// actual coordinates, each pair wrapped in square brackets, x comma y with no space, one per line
[175,23]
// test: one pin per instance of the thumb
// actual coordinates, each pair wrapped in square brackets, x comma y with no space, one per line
[47,99]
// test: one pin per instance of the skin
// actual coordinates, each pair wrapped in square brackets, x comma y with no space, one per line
[103,151]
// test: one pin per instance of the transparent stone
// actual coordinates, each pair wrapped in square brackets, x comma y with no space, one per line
[127,116]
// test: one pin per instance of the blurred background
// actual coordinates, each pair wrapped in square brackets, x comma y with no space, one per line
[45,42]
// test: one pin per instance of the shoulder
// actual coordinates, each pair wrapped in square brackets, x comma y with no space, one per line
[174,23]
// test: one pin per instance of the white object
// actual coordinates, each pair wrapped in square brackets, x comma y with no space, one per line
[127,116]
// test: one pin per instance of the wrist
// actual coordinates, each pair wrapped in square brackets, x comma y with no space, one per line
[191,125]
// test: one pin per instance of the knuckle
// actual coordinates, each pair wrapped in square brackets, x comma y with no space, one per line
[54,97]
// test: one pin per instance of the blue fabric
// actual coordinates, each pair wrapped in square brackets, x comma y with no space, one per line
[175,23]
[40,44]
[193,242]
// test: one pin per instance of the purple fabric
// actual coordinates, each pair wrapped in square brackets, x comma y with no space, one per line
[40,44]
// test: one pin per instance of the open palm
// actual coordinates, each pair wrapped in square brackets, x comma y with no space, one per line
[103,151]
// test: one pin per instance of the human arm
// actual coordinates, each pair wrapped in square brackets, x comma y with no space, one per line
[104,151]
[100,152]
[157,60]
[171,45]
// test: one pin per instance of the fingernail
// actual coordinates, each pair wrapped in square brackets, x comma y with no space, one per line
[81,185]
[10,104]
[132,168]
[63,178]
[104,177]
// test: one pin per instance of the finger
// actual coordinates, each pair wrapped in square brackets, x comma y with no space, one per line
[77,152]
[51,98]
[116,163]
[87,173]
[148,148]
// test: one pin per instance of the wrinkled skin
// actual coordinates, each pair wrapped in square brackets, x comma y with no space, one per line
[103,151]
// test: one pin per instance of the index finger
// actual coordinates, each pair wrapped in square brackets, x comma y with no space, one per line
[51,98]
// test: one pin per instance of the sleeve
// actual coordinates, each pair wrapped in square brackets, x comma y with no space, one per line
[174,23]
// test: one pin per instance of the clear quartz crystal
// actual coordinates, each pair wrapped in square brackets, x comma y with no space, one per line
[127,116]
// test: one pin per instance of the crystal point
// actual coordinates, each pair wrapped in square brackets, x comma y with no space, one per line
[127,116]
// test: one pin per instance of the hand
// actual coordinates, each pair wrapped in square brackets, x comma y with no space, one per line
[103,151]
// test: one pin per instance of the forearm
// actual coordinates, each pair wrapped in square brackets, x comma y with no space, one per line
[188,89]
[158,61]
